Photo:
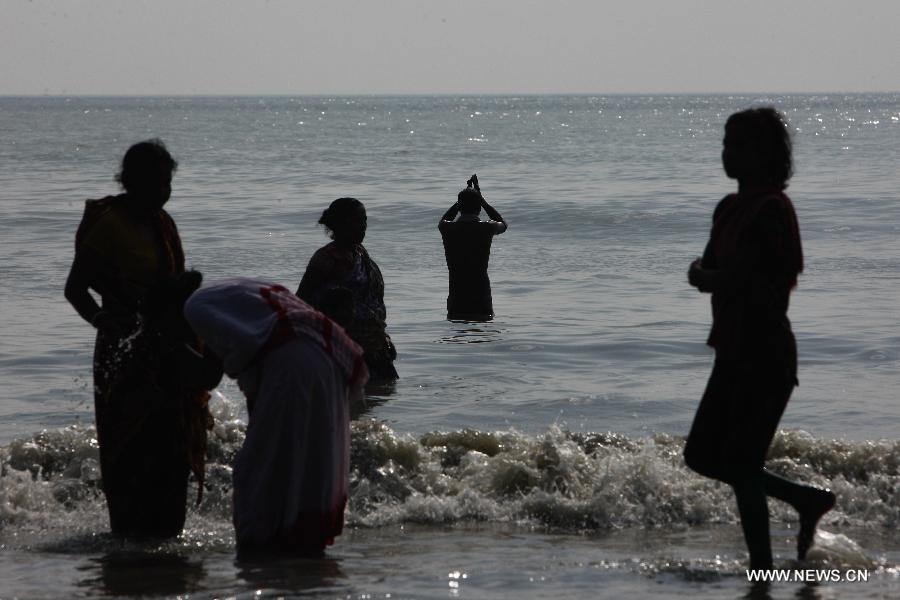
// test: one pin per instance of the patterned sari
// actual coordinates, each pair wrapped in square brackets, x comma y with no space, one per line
[335,267]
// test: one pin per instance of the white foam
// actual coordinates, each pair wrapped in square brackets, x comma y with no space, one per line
[838,550]
[557,479]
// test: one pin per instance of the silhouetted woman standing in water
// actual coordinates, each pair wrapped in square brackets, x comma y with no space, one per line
[149,387]
[344,282]
[750,266]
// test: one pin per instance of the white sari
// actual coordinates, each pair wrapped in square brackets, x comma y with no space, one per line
[298,370]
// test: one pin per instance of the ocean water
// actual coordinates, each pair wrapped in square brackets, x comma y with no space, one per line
[534,456]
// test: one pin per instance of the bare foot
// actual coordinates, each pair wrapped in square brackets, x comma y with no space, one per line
[820,503]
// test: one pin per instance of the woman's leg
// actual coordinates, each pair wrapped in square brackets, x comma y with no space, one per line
[750,491]
[707,444]
[725,442]
[810,502]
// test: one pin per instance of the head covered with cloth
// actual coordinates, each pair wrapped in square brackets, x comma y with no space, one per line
[298,370]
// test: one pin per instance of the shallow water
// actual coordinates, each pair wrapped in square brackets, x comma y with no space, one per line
[417,562]
[479,514]
[608,200]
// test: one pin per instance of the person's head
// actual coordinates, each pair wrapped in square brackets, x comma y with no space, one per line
[469,201]
[757,147]
[146,173]
[345,220]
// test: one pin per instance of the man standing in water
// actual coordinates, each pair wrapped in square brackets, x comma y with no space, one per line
[467,246]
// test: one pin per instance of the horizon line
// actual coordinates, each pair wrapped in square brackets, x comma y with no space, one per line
[437,94]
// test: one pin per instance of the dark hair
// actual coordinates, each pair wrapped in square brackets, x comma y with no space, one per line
[338,212]
[769,129]
[142,161]
[469,201]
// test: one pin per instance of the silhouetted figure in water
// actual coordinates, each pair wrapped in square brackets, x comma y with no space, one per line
[126,247]
[467,247]
[155,427]
[750,266]
[343,281]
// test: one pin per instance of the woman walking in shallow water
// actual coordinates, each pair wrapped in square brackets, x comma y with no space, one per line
[750,265]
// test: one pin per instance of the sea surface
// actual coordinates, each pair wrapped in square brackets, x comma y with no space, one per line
[535,456]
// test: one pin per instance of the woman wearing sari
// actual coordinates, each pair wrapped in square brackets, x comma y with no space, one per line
[299,372]
[344,268]
[150,421]
[750,265]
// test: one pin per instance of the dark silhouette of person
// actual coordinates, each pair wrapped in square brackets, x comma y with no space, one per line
[467,247]
[344,282]
[125,246]
[750,265]
[155,424]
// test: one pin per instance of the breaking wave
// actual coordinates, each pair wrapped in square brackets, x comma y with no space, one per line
[557,480]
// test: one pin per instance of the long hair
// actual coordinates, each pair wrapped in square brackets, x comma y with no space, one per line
[769,129]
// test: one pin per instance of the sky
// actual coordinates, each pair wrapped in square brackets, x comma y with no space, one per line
[205,47]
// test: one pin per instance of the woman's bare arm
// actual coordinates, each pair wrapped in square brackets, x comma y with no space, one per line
[77,284]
